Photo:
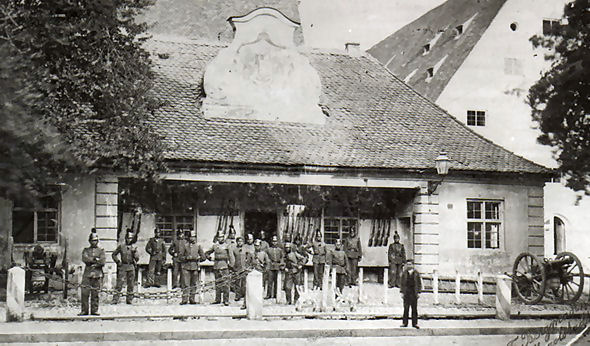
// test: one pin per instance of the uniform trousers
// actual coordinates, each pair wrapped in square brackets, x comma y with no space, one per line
[125,276]
[92,293]
[190,281]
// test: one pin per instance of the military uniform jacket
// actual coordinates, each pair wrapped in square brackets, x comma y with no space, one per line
[223,256]
[396,253]
[243,258]
[190,255]
[276,256]
[94,259]
[156,248]
[352,248]
[294,262]
[129,256]
[250,248]
[176,247]
[319,252]
[264,245]
[261,261]
[337,259]
[411,284]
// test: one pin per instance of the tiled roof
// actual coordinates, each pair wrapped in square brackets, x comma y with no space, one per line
[403,51]
[375,121]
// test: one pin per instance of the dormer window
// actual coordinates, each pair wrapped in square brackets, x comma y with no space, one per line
[551,27]
[430,72]
[476,118]
[458,30]
[426,49]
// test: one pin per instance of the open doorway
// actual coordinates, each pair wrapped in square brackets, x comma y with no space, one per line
[558,235]
[256,221]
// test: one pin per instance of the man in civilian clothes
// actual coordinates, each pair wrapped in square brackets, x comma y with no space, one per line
[354,253]
[318,248]
[276,256]
[126,267]
[411,285]
[94,259]
[156,248]
[190,255]
[223,260]
[174,251]
[397,256]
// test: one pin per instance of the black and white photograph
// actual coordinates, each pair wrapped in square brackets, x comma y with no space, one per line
[295,172]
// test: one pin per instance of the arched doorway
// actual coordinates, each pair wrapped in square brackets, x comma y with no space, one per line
[558,235]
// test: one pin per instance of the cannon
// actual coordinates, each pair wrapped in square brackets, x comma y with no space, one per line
[560,279]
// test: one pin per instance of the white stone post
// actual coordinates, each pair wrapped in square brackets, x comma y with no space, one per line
[79,273]
[15,295]
[458,287]
[202,293]
[333,290]
[361,279]
[279,286]
[385,272]
[169,279]
[503,296]
[325,288]
[479,287]
[305,279]
[108,277]
[435,285]
[139,286]
[254,295]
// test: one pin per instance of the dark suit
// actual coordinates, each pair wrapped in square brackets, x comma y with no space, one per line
[397,257]
[411,286]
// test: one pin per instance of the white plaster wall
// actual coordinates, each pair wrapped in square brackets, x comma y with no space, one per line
[481,84]
[453,252]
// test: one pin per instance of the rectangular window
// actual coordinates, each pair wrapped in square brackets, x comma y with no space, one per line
[551,26]
[168,224]
[338,228]
[513,66]
[476,118]
[31,224]
[484,223]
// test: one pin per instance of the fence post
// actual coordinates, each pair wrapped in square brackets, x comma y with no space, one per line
[385,270]
[79,272]
[305,279]
[333,287]
[279,286]
[479,287]
[139,285]
[202,292]
[361,278]
[503,296]
[254,293]
[15,295]
[325,288]
[458,287]
[168,283]
[435,285]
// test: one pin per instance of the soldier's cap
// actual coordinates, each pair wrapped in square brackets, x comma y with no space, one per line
[257,242]
[395,235]
[93,235]
[249,235]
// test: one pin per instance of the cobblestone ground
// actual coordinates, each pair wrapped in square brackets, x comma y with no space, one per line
[53,304]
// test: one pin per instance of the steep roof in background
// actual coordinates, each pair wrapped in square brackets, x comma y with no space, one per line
[207,19]
[403,52]
[375,121]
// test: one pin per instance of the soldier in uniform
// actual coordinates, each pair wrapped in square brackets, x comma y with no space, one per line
[397,257]
[174,251]
[411,286]
[156,248]
[263,243]
[261,261]
[293,265]
[222,262]
[190,255]
[338,260]
[318,248]
[249,246]
[126,267]
[94,259]
[243,260]
[231,237]
[354,253]
[276,256]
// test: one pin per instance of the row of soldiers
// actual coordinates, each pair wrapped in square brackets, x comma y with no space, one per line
[232,257]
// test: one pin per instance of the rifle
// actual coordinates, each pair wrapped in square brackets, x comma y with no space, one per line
[372,233]
[379,239]
[388,232]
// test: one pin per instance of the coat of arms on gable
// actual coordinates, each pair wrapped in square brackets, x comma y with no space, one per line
[261,74]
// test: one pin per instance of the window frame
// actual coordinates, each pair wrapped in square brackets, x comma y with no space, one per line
[484,221]
[35,212]
[554,26]
[479,117]
[175,223]
[341,232]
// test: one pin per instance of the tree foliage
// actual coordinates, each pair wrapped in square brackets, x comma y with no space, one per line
[560,100]
[74,91]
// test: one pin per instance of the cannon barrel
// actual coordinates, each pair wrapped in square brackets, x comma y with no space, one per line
[560,261]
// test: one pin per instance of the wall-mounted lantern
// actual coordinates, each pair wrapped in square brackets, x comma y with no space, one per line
[442,164]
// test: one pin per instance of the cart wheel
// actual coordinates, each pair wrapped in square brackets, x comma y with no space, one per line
[529,278]
[571,280]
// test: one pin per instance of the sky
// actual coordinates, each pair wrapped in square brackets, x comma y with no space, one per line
[332,23]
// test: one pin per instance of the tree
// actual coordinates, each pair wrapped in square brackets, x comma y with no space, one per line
[74,92]
[560,100]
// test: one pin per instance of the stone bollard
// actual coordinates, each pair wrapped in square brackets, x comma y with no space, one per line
[385,273]
[503,297]
[254,295]
[333,288]
[305,280]
[169,279]
[15,295]
[79,273]
[325,288]
[139,279]
[202,292]
[361,279]
[435,285]
[279,286]
[479,288]
[108,277]
[457,287]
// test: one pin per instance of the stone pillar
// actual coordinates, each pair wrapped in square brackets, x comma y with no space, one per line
[109,276]
[435,285]
[202,292]
[385,273]
[254,295]
[503,296]
[139,279]
[333,287]
[325,288]
[305,279]
[361,279]
[458,287]
[479,287]
[279,286]
[15,295]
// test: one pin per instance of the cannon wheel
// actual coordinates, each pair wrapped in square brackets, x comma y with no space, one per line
[529,278]
[572,282]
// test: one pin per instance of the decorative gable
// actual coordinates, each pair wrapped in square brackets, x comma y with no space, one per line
[261,75]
